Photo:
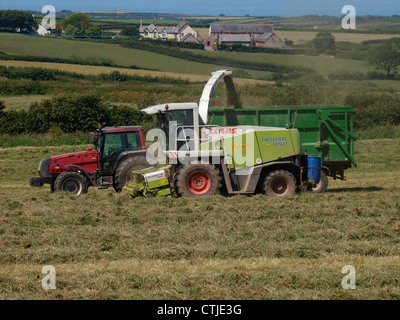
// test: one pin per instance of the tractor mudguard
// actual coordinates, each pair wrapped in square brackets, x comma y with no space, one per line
[80,170]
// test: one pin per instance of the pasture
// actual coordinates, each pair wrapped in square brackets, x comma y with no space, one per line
[107,246]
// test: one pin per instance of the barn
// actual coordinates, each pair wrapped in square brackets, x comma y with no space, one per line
[260,35]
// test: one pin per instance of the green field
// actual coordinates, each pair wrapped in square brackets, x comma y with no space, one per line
[107,246]
[49,47]
[60,48]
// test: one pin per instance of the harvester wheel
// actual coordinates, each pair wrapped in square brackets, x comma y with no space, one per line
[322,185]
[197,180]
[124,173]
[279,183]
[72,182]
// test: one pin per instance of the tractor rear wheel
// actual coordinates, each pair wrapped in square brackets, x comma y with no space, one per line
[197,180]
[72,182]
[124,173]
[322,185]
[279,183]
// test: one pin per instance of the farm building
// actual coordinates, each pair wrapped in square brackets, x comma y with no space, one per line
[182,32]
[260,35]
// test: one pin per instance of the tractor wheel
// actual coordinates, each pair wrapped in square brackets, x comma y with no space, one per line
[279,183]
[197,180]
[322,185]
[72,182]
[123,174]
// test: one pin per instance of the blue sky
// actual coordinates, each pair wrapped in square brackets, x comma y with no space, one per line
[215,7]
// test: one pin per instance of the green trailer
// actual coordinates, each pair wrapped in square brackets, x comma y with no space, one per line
[326,131]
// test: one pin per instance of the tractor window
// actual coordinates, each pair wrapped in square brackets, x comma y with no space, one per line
[113,144]
[134,141]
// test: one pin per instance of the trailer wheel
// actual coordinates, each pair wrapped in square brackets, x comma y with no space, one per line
[322,185]
[72,182]
[279,183]
[123,174]
[197,180]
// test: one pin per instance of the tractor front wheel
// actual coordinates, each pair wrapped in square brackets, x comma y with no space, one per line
[72,182]
[279,183]
[197,180]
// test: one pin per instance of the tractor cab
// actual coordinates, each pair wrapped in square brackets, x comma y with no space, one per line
[112,143]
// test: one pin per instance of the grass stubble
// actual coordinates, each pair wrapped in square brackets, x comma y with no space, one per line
[107,246]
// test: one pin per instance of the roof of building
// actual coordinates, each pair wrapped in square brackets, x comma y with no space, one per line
[241,28]
[190,38]
[168,29]
[264,37]
[234,38]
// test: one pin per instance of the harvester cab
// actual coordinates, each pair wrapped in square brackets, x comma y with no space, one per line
[238,159]
[117,151]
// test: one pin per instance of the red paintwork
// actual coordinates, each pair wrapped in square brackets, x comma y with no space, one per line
[142,142]
[122,129]
[87,160]
[199,182]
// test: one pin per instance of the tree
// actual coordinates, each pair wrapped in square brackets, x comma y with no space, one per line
[94,31]
[386,57]
[324,42]
[78,20]
[129,31]
[72,31]
[15,19]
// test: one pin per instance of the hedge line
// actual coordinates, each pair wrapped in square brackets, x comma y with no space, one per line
[42,74]
[186,55]
[70,114]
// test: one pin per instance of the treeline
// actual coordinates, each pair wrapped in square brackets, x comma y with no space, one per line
[295,71]
[69,114]
[15,20]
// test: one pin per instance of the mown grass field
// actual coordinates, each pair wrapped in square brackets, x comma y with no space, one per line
[107,246]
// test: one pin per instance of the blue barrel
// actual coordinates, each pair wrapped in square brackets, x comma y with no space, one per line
[314,168]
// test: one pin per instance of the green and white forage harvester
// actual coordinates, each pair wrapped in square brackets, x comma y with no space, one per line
[204,159]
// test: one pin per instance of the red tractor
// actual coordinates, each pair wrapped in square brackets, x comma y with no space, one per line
[117,151]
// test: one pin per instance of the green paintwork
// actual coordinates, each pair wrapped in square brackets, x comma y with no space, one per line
[156,188]
[316,124]
[258,147]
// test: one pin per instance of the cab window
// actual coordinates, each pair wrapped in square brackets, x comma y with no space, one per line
[134,141]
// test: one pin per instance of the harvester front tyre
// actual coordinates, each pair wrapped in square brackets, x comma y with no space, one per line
[197,180]
[123,174]
[72,182]
[322,185]
[279,183]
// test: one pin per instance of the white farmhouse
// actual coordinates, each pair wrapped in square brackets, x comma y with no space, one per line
[182,32]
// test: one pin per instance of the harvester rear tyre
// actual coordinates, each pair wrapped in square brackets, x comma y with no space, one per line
[197,180]
[279,183]
[322,186]
[72,182]
[123,173]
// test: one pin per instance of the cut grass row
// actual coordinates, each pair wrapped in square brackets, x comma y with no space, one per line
[107,246]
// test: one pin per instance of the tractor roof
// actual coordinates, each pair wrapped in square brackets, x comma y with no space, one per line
[122,129]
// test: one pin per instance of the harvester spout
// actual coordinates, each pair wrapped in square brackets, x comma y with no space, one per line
[210,88]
